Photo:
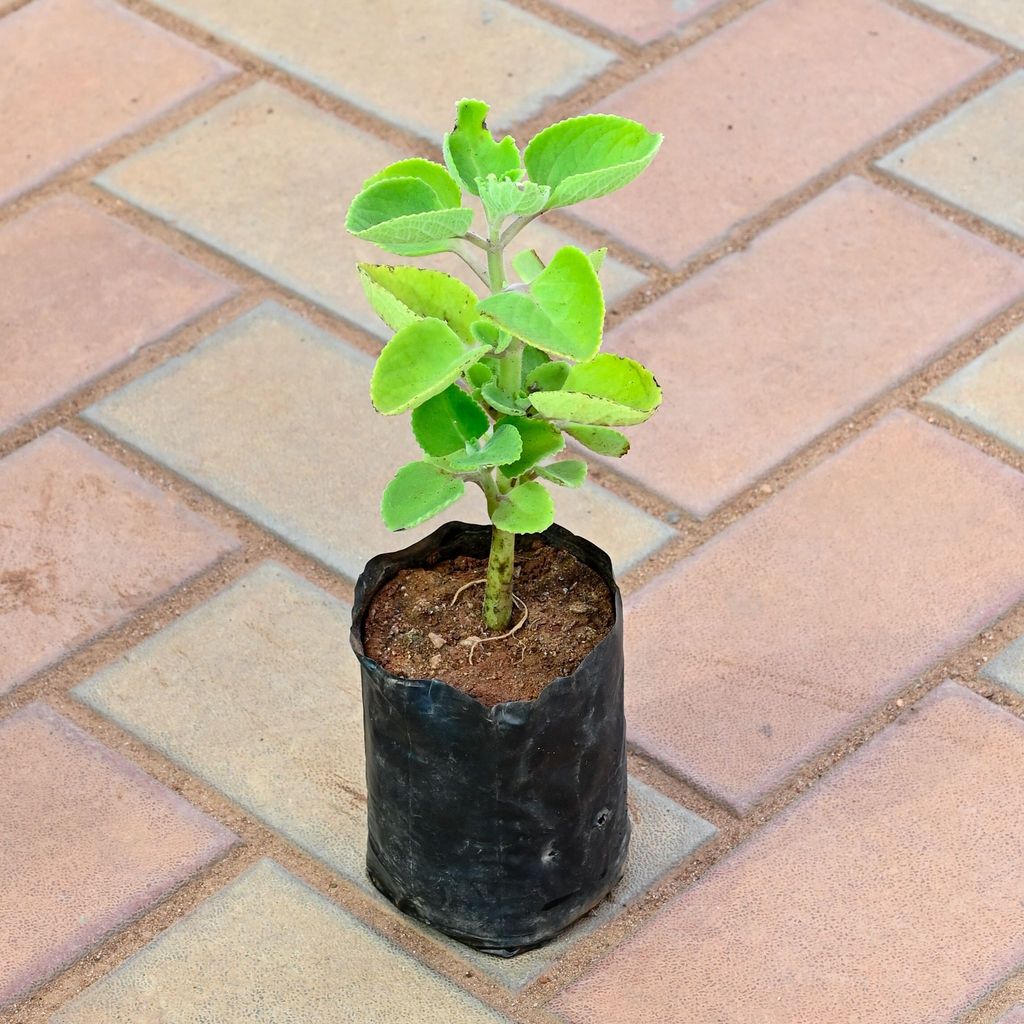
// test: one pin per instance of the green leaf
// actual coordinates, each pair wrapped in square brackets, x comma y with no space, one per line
[527,265]
[608,389]
[417,492]
[532,358]
[588,157]
[548,377]
[618,379]
[602,440]
[567,473]
[429,172]
[502,402]
[502,197]
[485,332]
[405,216]
[527,508]
[445,423]
[420,361]
[470,151]
[400,295]
[479,374]
[540,440]
[597,258]
[560,312]
[502,447]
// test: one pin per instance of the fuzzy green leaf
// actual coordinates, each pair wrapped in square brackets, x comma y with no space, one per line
[503,198]
[479,374]
[429,172]
[602,440]
[502,402]
[470,151]
[588,157]
[502,447]
[567,473]
[485,333]
[406,216]
[417,492]
[445,423]
[527,265]
[548,376]
[527,508]
[560,312]
[532,358]
[597,258]
[618,379]
[540,440]
[400,295]
[420,361]
[610,390]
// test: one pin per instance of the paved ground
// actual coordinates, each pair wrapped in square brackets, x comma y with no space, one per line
[821,534]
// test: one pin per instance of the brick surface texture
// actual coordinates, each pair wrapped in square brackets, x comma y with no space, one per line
[81,294]
[79,73]
[89,842]
[906,847]
[819,536]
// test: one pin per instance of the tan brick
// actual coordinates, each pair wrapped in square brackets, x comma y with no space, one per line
[771,346]
[890,894]
[643,21]
[411,63]
[82,292]
[80,73]
[1001,18]
[84,543]
[89,841]
[788,627]
[765,104]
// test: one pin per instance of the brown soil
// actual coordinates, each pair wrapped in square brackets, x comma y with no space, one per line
[415,631]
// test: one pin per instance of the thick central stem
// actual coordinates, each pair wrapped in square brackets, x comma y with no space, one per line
[500,564]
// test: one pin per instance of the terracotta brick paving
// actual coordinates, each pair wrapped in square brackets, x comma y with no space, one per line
[825,267]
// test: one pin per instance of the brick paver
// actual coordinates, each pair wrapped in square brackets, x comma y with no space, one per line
[890,894]
[818,81]
[1007,667]
[269,947]
[642,21]
[192,178]
[973,158]
[989,391]
[81,293]
[788,627]
[271,382]
[411,65]
[769,347]
[1001,18]
[79,73]
[84,543]
[1014,1016]
[89,841]
[255,693]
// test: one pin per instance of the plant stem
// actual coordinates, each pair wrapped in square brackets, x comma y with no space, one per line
[501,562]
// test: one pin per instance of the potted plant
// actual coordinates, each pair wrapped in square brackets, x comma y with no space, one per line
[492,677]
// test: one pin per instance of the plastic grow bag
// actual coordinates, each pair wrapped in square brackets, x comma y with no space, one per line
[501,825]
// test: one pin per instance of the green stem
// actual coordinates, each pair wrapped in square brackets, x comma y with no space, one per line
[501,562]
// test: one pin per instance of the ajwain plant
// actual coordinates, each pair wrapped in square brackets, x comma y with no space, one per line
[496,383]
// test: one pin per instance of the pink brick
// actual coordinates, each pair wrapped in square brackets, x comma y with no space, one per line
[81,293]
[84,543]
[890,895]
[768,348]
[1014,1016]
[765,104]
[80,73]
[89,842]
[642,20]
[784,630]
